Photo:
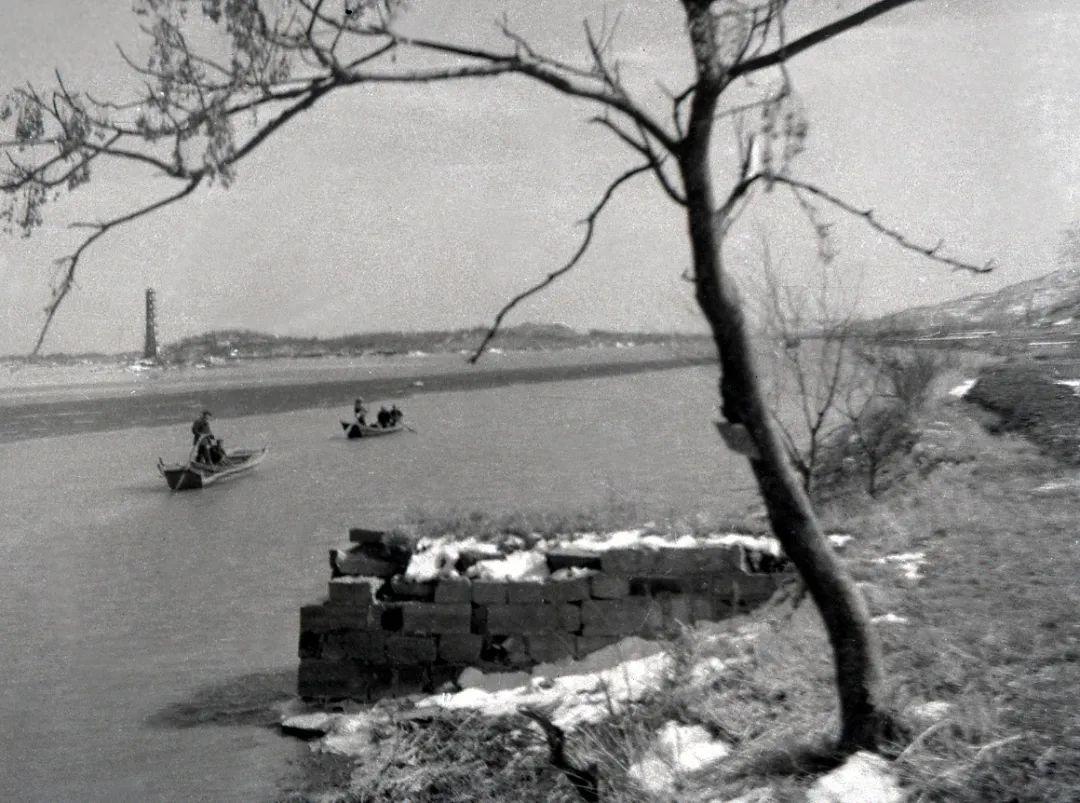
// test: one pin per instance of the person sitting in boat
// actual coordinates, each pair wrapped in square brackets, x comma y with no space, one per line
[203,438]
[360,411]
[395,415]
[384,418]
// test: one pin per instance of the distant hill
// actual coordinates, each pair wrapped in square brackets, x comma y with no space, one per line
[242,344]
[1036,307]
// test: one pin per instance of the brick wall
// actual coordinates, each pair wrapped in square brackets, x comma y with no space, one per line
[379,633]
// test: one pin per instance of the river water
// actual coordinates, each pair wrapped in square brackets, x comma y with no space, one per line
[143,632]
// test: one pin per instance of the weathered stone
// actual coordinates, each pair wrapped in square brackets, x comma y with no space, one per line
[518,593]
[569,616]
[569,589]
[321,618]
[550,648]
[677,611]
[410,649]
[368,647]
[352,591]
[488,592]
[425,617]
[608,586]
[701,560]
[627,562]
[361,535]
[460,648]
[402,588]
[571,557]
[358,564]
[585,645]
[411,680]
[624,617]
[524,619]
[453,590]
[753,589]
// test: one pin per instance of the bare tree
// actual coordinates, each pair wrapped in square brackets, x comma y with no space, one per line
[807,345]
[204,108]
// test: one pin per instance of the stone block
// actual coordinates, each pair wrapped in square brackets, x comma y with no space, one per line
[365,647]
[352,592]
[362,535]
[453,590]
[488,592]
[401,588]
[442,674]
[608,586]
[570,589]
[431,617]
[524,619]
[586,645]
[387,616]
[320,679]
[627,562]
[543,649]
[322,618]
[522,593]
[310,645]
[677,611]
[752,589]
[623,617]
[460,648]
[357,564]
[710,607]
[569,616]
[410,680]
[410,649]
[699,560]
[570,557]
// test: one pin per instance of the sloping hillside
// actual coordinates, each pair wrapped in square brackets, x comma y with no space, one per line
[1049,301]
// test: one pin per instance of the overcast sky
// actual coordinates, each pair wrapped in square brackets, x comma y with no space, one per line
[427,207]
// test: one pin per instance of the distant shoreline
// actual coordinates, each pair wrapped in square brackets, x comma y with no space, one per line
[36,419]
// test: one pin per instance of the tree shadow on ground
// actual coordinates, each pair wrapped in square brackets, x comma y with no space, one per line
[254,699]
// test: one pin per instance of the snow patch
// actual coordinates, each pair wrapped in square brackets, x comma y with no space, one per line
[678,750]
[526,566]
[889,619]
[909,563]
[863,778]
[572,699]
[962,389]
[1074,384]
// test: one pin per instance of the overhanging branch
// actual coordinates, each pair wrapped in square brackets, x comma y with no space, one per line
[590,225]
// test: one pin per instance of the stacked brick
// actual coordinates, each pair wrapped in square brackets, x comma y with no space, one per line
[378,633]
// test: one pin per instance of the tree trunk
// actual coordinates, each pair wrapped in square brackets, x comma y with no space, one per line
[846,618]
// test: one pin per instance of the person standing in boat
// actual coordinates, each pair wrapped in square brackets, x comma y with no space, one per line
[202,437]
[360,411]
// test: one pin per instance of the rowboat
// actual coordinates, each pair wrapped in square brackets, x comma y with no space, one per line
[357,430]
[196,474]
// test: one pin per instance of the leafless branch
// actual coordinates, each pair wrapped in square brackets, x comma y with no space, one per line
[71,262]
[590,225]
[930,252]
[823,34]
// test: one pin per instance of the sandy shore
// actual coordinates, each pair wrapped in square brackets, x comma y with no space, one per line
[91,413]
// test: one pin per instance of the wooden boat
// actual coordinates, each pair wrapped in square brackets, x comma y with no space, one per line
[356,430]
[195,474]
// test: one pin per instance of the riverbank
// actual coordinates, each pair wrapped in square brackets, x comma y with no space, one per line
[59,410]
[968,566]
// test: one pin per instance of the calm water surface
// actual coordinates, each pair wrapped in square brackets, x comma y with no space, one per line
[129,615]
